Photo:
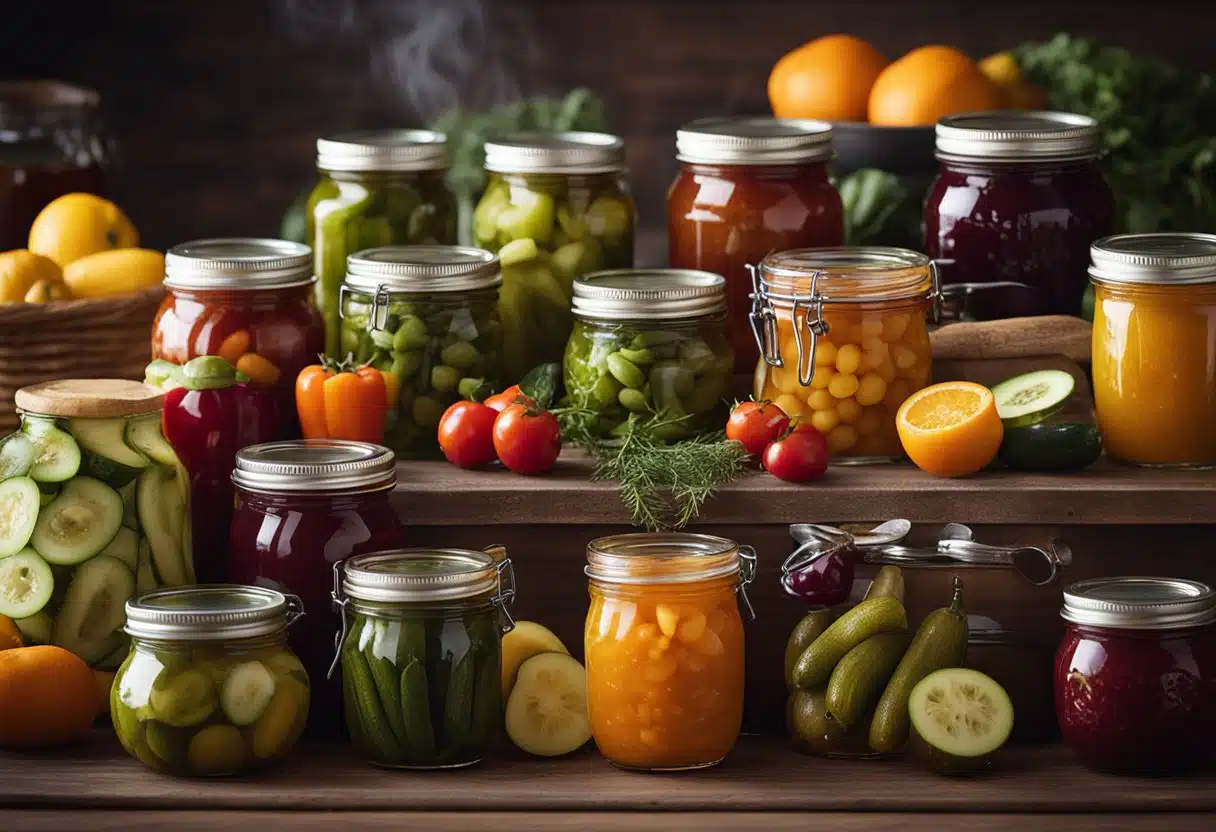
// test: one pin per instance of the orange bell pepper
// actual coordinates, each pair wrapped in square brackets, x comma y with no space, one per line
[338,401]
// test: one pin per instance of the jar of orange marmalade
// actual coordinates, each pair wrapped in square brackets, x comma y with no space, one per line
[664,648]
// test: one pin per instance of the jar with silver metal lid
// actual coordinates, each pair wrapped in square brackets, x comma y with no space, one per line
[376,188]
[420,653]
[428,315]
[649,345]
[1135,674]
[1154,356]
[210,687]
[557,206]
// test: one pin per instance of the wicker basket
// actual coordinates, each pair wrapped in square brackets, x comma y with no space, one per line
[98,338]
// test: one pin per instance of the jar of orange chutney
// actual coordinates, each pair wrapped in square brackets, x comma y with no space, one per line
[664,648]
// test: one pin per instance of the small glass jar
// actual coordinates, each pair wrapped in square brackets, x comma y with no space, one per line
[376,188]
[557,206]
[664,648]
[421,653]
[1154,348]
[429,315]
[210,687]
[746,187]
[844,341]
[1017,201]
[248,301]
[1135,675]
[649,342]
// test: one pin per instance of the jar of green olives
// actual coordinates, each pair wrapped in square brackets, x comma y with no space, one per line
[210,686]
[557,206]
[376,188]
[650,343]
[429,315]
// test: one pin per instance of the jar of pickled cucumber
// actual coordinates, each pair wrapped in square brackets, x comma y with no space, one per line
[557,206]
[649,343]
[429,315]
[844,341]
[210,686]
[420,653]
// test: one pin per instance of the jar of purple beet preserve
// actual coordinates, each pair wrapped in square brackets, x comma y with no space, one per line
[1135,675]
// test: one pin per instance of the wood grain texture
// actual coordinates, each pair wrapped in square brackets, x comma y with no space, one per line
[1014,338]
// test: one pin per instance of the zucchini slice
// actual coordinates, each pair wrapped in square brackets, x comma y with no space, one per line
[129,517]
[1032,397]
[17,455]
[145,577]
[161,505]
[94,609]
[19,501]
[145,436]
[124,547]
[79,523]
[58,454]
[106,455]
[960,717]
[26,585]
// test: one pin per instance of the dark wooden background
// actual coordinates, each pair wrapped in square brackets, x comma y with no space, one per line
[216,103]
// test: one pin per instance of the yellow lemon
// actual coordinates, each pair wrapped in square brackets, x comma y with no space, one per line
[1002,69]
[21,269]
[45,291]
[109,273]
[77,225]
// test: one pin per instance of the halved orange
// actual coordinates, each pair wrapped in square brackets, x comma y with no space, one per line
[950,429]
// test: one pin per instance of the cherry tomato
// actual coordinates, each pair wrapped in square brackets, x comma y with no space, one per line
[527,439]
[756,424]
[499,401]
[799,456]
[466,434]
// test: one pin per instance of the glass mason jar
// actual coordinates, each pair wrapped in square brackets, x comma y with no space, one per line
[376,188]
[1154,348]
[844,341]
[557,206]
[421,653]
[1135,674]
[1017,201]
[746,187]
[664,648]
[94,506]
[248,301]
[429,315]
[301,507]
[649,342]
[210,687]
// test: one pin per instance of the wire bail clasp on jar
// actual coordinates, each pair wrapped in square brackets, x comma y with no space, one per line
[295,608]
[339,603]
[747,574]
[380,302]
[504,594]
[805,312]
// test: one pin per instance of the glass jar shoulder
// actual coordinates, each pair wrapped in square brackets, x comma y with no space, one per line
[782,199]
[1030,198]
[369,210]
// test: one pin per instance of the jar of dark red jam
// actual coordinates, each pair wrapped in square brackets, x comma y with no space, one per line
[1135,676]
[1017,201]
[300,507]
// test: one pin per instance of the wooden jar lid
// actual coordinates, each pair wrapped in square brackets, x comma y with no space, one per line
[99,398]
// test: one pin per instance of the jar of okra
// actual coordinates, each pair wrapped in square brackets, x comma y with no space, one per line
[429,315]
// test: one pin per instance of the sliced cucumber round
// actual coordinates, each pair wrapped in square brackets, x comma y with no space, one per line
[960,717]
[94,608]
[79,523]
[247,691]
[17,455]
[58,454]
[1032,397]
[18,514]
[26,584]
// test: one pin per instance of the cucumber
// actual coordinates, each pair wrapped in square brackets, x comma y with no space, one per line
[247,691]
[79,523]
[145,577]
[374,727]
[859,678]
[182,699]
[808,629]
[414,690]
[17,455]
[124,547]
[105,453]
[19,502]
[1032,397]
[487,698]
[1054,447]
[26,585]
[58,454]
[889,582]
[960,718]
[387,683]
[129,517]
[145,436]
[36,628]
[458,707]
[93,610]
[872,616]
[161,506]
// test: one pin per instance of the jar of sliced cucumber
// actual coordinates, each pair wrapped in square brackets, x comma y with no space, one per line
[94,505]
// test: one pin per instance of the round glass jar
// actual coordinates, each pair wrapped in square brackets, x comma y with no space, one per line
[748,186]
[210,687]
[649,342]
[557,206]
[1135,674]
[1017,201]
[664,648]
[248,301]
[844,341]
[376,188]
[421,653]
[301,507]
[1154,351]
[429,315]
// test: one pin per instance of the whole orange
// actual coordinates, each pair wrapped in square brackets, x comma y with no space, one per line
[928,84]
[47,697]
[828,78]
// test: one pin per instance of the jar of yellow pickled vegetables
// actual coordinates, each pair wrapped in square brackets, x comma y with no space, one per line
[844,341]
[1154,348]
[664,648]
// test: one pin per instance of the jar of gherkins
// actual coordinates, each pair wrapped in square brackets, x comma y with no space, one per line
[649,343]
[421,653]
[557,206]
[376,188]
[429,315]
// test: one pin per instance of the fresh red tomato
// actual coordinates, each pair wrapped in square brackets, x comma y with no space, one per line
[756,424]
[466,434]
[499,401]
[527,439]
[799,456]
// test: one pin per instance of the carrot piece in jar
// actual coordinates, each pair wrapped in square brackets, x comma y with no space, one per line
[259,370]
[234,346]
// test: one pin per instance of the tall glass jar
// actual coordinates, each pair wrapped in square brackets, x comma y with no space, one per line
[376,188]
[557,206]
[649,342]
[1154,348]
[429,315]
[1017,201]
[746,187]
[844,341]
[664,648]
[420,651]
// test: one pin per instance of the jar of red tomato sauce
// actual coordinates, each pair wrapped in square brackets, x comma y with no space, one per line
[248,301]
[746,187]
